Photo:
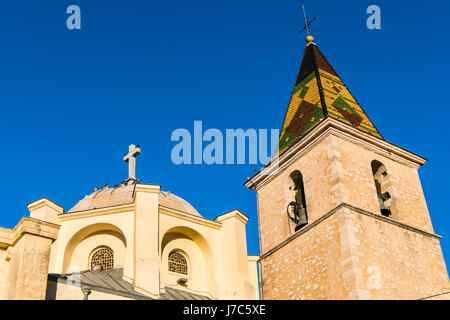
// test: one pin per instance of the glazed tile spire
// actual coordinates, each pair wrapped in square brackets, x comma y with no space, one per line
[319,93]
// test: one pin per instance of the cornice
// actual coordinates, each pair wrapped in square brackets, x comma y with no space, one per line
[45,202]
[151,188]
[234,213]
[28,225]
[96,212]
[354,209]
[189,217]
[327,127]
[5,237]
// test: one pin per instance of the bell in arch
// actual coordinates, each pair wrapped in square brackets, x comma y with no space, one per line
[301,218]
[297,209]
[385,211]
[297,214]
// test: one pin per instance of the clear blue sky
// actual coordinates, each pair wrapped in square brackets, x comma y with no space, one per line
[72,101]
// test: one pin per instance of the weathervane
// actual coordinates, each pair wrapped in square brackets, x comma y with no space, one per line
[309,38]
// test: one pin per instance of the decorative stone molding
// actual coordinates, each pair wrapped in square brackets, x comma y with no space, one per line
[189,217]
[354,209]
[327,127]
[149,188]
[45,202]
[8,254]
[5,237]
[28,259]
[96,212]
[35,227]
[46,210]
[232,214]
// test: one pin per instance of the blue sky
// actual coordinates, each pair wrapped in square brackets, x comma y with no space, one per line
[72,101]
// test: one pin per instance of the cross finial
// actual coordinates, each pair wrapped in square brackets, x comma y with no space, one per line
[130,157]
[309,38]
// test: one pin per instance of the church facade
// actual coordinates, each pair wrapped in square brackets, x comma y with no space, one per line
[343,214]
[129,241]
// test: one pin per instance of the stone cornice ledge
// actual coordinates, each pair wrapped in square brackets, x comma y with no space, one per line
[36,227]
[150,188]
[5,237]
[236,213]
[189,217]
[96,212]
[327,127]
[355,209]
[45,202]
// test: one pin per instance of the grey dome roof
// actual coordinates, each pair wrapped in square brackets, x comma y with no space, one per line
[123,194]
[167,199]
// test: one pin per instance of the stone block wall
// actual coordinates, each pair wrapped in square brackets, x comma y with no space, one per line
[349,250]
[350,255]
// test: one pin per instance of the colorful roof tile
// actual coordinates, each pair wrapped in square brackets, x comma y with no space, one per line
[318,93]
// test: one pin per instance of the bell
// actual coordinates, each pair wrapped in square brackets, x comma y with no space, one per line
[385,211]
[302,220]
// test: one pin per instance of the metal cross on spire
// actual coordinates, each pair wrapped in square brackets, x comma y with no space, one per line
[307,24]
[130,157]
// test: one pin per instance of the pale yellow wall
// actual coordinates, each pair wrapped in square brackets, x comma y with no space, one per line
[196,263]
[83,251]
[72,233]
[235,276]
[28,247]
[3,271]
[46,210]
[5,242]
[27,274]
[141,236]
[222,244]
[147,254]
[253,277]
[205,238]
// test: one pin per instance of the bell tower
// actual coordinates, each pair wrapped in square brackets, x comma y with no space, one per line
[343,216]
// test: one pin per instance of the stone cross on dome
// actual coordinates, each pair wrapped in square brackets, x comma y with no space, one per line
[130,157]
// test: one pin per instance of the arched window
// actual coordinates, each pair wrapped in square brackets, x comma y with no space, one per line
[178,263]
[102,258]
[297,207]
[380,176]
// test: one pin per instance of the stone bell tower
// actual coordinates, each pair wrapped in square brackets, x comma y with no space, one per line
[343,215]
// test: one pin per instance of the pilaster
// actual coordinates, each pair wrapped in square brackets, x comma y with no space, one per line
[29,258]
[146,237]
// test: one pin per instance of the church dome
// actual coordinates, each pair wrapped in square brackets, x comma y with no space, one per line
[169,200]
[123,194]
